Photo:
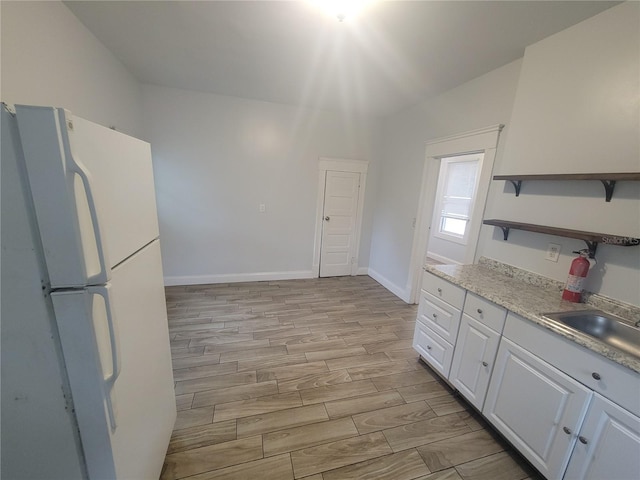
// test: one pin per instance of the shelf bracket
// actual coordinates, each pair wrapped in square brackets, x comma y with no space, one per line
[505,232]
[609,185]
[517,184]
[592,247]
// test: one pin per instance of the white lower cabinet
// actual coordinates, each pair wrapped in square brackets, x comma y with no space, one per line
[608,445]
[473,360]
[433,348]
[573,415]
[536,407]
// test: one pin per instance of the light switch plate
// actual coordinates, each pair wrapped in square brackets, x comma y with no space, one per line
[553,252]
[262,208]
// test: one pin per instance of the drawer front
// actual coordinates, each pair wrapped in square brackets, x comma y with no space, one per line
[486,312]
[443,290]
[433,348]
[619,384]
[441,317]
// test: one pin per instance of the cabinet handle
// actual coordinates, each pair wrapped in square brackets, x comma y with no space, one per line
[566,430]
[479,311]
[439,290]
[485,364]
[428,347]
[582,440]
[596,375]
[435,316]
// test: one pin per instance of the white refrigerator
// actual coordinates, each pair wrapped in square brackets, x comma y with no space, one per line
[87,385]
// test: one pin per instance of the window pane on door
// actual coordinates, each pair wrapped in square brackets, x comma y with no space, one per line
[459,176]
[453,225]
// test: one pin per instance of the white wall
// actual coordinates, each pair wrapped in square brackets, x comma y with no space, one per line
[217,158]
[482,102]
[50,58]
[577,109]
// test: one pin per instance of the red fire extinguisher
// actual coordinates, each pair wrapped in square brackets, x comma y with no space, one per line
[577,275]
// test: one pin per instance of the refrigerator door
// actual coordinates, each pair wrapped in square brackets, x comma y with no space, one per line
[115,342]
[123,184]
[38,438]
[93,193]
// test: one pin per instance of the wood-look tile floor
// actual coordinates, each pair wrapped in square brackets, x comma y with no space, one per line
[315,379]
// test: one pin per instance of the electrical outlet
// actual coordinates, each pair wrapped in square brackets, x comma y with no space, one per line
[262,208]
[553,252]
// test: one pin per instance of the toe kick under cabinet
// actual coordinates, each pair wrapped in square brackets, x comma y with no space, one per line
[571,412]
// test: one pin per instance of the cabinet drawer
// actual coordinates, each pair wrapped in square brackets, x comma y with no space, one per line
[443,290]
[441,317]
[486,312]
[615,382]
[433,348]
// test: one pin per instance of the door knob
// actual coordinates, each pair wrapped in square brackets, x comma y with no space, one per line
[327,218]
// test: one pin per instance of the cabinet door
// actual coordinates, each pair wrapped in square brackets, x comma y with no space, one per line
[609,444]
[473,360]
[537,407]
[433,349]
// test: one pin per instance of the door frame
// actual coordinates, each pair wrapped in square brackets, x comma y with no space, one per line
[339,165]
[483,140]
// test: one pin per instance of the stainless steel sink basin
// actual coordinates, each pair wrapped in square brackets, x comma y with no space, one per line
[606,328]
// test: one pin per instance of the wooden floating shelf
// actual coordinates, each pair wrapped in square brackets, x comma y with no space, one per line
[608,179]
[590,238]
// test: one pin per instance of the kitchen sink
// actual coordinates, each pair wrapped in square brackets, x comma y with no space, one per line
[606,328]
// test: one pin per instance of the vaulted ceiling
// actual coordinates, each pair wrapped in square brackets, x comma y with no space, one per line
[391,55]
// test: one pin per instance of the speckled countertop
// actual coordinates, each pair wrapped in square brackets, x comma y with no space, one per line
[530,296]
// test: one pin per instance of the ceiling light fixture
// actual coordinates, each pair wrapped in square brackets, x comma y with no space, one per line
[341,9]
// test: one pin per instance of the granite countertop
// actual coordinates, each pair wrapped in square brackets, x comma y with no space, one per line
[530,296]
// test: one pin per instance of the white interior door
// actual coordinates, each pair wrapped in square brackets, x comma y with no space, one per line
[339,223]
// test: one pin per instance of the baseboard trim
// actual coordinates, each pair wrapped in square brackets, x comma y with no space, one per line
[171,281]
[389,285]
[443,259]
[362,271]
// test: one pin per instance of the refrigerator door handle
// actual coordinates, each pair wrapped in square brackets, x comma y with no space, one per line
[77,167]
[114,341]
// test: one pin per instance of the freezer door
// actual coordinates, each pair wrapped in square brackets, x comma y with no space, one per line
[93,193]
[122,174]
[115,343]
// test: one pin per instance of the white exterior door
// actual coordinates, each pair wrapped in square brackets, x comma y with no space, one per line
[339,223]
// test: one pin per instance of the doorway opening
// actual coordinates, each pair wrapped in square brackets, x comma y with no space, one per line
[452,200]
[455,207]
